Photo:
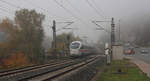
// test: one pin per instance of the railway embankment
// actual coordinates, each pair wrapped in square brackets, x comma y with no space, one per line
[81,69]
[85,73]
[121,70]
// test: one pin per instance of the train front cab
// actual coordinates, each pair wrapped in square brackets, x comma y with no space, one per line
[75,49]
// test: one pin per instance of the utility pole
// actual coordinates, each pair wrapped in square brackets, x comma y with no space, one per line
[112,36]
[119,32]
[54,43]
[68,44]
[54,37]
[112,32]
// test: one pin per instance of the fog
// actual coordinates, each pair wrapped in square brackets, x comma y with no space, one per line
[130,12]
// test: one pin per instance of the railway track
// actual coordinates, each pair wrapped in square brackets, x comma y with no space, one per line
[33,73]
[51,76]
[35,65]
[4,75]
[66,71]
[17,70]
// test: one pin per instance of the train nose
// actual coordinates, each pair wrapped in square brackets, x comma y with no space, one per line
[74,51]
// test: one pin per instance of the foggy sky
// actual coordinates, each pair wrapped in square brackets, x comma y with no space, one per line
[81,13]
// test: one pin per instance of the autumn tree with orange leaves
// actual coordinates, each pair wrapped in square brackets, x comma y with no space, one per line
[31,33]
[21,40]
[7,33]
[9,56]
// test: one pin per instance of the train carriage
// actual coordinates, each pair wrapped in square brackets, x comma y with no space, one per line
[77,49]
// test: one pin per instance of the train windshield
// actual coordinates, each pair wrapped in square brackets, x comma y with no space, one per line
[75,45]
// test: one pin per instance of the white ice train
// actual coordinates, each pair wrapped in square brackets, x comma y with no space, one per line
[77,49]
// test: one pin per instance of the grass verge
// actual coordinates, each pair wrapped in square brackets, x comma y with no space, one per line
[122,70]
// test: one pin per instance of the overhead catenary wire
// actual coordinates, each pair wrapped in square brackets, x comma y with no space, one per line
[67,10]
[101,27]
[65,26]
[29,2]
[70,12]
[3,13]
[73,6]
[43,9]
[78,11]
[4,7]
[18,7]
[4,10]
[8,3]
[94,8]
[102,13]
[68,1]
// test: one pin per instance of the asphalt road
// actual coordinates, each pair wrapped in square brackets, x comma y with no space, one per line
[142,56]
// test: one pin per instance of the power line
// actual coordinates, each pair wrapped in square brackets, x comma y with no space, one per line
[29,2]
[10,4]
[4,13]
[79,12]
[41,8]
[2,9]
[72,6]
[67,10]
[101,27]
[37,6]
[18,7]
[94,8]
[68,24]
[102,13]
